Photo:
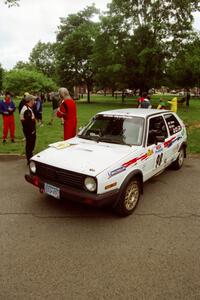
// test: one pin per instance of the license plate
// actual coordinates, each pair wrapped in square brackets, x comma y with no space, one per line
[52,190]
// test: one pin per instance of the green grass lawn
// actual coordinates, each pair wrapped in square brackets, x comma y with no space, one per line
[50,134]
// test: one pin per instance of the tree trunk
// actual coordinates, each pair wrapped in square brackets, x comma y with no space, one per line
[123,96]
[88,95]
[113,94]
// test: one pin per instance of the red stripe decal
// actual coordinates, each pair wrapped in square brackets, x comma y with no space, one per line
[166,144]
[134,160]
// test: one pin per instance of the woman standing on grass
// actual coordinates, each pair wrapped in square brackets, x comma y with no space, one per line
[67,111]
[7,108]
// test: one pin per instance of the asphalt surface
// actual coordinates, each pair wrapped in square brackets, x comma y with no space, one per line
[53,249]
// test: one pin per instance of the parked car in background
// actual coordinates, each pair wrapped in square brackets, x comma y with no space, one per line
[109,160]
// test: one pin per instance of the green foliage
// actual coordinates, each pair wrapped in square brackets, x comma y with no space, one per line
[19,81]
[107,58]
[184,70]
[144,35]
[136,45]
[42,57]
[172,18]
[12,2]
[1,77]
[125,60]
[23,65]
[146,56]
[76,38]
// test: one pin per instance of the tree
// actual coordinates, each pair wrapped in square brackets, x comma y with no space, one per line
[43,58]
[1,78]
[106,58]
[12,2]
[76,37]
[124,60]
[23,65]
[146,57]
[155,32]
[20,81]
[169,19]
[184,70]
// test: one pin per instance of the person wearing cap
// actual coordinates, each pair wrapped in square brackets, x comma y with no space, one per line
[67,111]
[8,107]
[144,101]
[27,118]
[22,102]
[162,104]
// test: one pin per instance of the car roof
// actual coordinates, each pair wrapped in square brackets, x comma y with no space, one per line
[133,112]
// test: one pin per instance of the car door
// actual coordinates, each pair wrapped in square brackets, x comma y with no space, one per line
[155,150]
[172,144]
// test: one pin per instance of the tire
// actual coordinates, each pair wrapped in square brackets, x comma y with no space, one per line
[177,164]
[129,198]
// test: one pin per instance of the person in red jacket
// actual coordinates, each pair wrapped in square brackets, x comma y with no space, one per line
[8,107]
[67,111]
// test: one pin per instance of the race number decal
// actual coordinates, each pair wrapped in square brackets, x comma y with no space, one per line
[159,160]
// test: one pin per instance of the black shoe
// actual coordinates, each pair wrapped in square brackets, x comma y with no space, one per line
[4,141]
[13,141]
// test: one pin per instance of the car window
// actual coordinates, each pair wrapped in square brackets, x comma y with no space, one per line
[132,131]
[157,127]
[115,129]
[172,123]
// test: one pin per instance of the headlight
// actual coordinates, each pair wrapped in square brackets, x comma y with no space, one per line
[32,167]
[90,184]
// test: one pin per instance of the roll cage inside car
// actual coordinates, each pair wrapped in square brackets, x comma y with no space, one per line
[125,130]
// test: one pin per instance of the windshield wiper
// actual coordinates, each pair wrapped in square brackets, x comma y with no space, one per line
[107,140]
[88,137]
[102,139]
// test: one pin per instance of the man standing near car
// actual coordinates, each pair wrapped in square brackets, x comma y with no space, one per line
[27,118]
[67,111]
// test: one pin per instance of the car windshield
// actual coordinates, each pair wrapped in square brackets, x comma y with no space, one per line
[114,129]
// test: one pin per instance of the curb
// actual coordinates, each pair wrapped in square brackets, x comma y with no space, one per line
[8,156]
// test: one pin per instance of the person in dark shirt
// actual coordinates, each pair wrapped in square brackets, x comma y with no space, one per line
[37,110]
[55,99]
[27,118]
[187,99]
[22,102]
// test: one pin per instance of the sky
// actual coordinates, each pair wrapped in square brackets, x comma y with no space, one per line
[37,20]
[22,27]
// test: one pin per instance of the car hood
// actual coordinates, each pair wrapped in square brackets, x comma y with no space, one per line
[87,157]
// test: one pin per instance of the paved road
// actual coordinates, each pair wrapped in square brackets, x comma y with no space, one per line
[53,249]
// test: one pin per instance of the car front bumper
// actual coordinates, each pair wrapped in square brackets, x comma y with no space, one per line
[74,194]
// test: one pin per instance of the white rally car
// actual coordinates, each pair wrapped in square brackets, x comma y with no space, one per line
[111,158]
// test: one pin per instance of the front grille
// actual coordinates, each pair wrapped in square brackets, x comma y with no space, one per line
[60,176]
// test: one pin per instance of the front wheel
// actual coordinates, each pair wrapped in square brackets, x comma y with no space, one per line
[129,198]
[177,164]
